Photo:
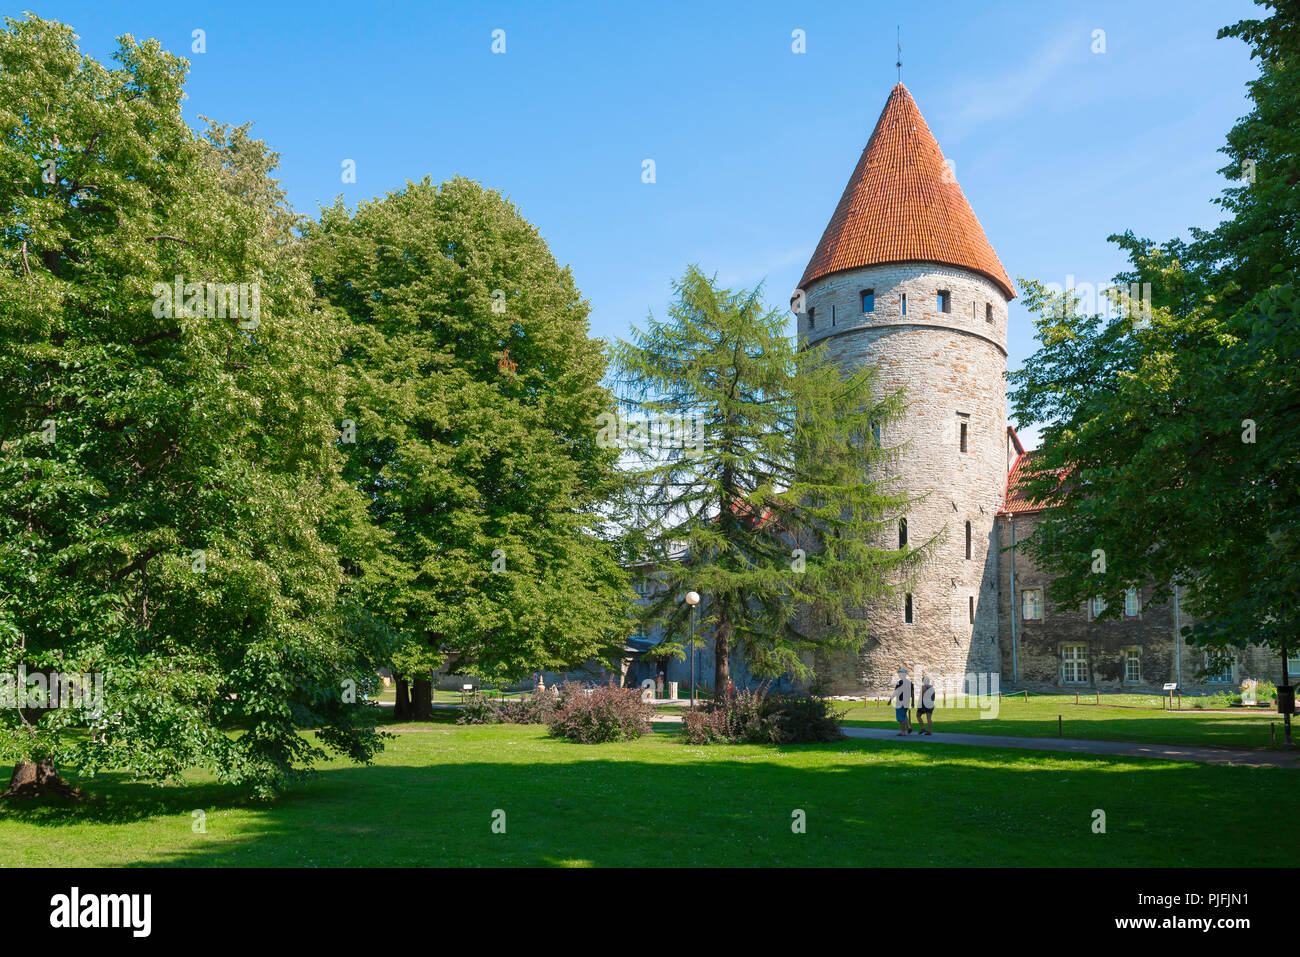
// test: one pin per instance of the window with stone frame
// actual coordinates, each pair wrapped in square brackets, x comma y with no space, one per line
[1132,665]
[944,303]
[868,300]
[1132,605]
[1031,604]
[1074,664]
[1096,605]
[988,312]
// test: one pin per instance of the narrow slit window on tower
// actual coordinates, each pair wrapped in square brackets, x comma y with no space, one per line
[902,533]
[988,312]
[968,540]
[875,434]
[812,318]
[945,301]
[868,300]
[832,315]
[907,608]
[965,432]
[971,600]
[902,301]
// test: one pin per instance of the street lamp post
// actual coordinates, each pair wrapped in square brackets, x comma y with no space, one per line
[693,599]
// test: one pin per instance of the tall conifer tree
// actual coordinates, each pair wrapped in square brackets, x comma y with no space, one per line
[756,479]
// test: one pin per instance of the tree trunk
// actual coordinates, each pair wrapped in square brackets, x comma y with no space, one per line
[422,700]
[38,779]
[721,655]
[402,707]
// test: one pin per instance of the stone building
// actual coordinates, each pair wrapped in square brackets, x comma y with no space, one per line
[904,279]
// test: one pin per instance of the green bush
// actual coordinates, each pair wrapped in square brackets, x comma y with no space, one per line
[479,710]
[538,708]
[755,716]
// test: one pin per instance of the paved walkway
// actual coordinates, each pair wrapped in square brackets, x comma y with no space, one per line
[1202,754]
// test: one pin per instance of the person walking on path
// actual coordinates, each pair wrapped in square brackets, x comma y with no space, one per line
[925,707]
[902,699]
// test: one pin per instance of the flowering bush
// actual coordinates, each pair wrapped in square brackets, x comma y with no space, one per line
[600,713]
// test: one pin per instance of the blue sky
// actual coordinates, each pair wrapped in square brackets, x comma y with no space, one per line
[1055,146]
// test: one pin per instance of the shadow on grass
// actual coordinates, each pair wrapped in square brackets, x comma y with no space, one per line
[660,802]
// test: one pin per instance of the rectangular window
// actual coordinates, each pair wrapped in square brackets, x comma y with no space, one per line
[1133,665]
[875,433]
[1031,604]
[1131,604]
[962,437]
[1218,668]
[945,301]
[988,312]
[868,300]
[832,315]
[812,318]
[1074,664]
[902,533]
[1096,606]
[968,541]
[902,301]
[907,608]
[971,601]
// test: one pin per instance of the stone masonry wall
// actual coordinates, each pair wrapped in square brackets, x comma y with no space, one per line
[1035,660]
[951,367]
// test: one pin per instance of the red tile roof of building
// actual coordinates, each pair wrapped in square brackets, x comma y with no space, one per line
[903,204]
[1017,501]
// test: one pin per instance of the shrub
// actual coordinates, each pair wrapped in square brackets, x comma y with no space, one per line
[479,710]
[701,726]
[600,713]
[538,708]
[755,716]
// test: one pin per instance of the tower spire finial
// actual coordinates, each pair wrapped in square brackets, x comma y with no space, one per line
[899,64]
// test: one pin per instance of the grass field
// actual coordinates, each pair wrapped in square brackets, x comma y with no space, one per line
[1037,718]
[430,797]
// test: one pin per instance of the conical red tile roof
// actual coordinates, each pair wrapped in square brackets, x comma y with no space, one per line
[902,204]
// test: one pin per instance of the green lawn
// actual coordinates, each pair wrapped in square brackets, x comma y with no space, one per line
[430,797]
[1037,718]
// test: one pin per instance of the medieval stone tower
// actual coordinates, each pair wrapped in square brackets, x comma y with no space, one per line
[905,280]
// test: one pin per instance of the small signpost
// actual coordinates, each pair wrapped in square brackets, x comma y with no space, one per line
[1170,693]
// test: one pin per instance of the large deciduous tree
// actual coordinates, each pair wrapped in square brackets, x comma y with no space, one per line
[474,389]
[1170,441]
[756,479]
[171,510]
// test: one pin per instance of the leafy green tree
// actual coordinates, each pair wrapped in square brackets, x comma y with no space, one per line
[474,389]
[1170,438]
[170,497]
[756,479]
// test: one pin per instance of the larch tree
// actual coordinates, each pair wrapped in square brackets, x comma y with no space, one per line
[756,478]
